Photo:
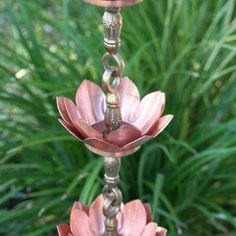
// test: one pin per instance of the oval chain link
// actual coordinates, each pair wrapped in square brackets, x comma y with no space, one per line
[113,200]
[113,74]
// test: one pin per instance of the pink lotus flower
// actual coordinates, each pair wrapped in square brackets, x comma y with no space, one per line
[113,3]
[134,219]
[141,120]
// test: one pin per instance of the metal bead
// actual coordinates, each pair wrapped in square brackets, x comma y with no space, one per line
[112,167]
[111,226]
[112,114]
[112,23]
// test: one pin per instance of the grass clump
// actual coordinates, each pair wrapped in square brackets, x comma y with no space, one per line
[185,48]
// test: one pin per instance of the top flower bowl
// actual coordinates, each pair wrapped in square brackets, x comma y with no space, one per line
[113,3]
[141,120]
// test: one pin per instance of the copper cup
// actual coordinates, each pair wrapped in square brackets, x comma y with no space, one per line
[113,3]
[142,119]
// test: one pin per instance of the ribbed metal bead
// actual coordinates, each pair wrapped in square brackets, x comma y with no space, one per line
[112,23]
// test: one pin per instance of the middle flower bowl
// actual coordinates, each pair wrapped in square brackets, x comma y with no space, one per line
[141,120]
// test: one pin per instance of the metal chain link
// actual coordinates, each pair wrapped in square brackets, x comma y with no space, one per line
[113,200]
[111,194]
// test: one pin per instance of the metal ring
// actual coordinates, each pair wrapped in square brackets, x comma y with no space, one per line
[118,60]
[108,85]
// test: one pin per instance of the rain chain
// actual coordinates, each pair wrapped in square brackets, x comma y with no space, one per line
[112,22]
[113,125]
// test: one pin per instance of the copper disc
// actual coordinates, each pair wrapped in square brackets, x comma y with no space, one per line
[114,3]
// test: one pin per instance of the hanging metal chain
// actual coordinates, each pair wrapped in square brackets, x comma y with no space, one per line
[112,22]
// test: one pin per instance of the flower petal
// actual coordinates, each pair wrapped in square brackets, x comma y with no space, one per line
[72,110]
[81,206]
[100,126]
[103,148]
[79,223]
[161,231]
[123,135]
[159,125]
[120,218]
[162,123]
[96,215]
[150,229]
[149,109]
[91,99]
[133,212]
[148,212]
[71,129]
[84,129]
[63,230]
[129,99]
[62,109]
[139,141]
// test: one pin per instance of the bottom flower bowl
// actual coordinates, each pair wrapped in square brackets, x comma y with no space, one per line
[134,219]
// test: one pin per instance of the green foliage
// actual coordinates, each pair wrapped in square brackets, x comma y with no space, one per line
[185,48]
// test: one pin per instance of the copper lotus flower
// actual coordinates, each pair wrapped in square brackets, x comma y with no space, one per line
[134,219]
[113,3]
[141,120]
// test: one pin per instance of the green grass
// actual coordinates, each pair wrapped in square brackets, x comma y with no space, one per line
[185,48]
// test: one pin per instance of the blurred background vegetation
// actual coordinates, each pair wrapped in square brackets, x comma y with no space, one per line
[185,48]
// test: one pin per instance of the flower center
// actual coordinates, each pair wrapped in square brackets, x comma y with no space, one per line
[125,134]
